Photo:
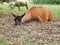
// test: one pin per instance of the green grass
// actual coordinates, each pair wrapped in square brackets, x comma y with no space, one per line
[54,8]
[5,8]
[1,41]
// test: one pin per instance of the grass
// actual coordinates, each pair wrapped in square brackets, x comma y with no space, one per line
[54,8]
[1,41]
[5,8]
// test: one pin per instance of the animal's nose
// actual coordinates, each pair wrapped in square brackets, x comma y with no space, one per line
[18,24]
[15,24]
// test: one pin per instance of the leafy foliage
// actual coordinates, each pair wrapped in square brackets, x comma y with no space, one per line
[46,1]
[6,0]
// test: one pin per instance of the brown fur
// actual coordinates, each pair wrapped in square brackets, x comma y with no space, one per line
[39,14]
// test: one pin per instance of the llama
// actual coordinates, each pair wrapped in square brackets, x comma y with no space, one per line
[39,14]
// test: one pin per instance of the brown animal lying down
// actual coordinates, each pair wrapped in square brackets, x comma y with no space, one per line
[39,14]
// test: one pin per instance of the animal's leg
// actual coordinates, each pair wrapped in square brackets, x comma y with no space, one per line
[50,18]
[27,6]
[39,19]
[18,8]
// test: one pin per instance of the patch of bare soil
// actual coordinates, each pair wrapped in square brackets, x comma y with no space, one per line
[32,33]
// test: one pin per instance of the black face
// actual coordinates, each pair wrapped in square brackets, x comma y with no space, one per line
[17,19]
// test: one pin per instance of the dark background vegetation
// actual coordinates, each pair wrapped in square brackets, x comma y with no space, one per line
[46,1]
[6,0]
[38,1]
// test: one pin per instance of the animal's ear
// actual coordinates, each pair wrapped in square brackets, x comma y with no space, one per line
[13,14]
[24,13]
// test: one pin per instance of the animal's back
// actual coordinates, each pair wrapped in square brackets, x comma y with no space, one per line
[22,2]
[39,12]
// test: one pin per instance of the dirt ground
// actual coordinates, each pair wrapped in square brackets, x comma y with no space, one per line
[32,33]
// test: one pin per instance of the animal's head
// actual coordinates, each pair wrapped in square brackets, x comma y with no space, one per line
[17,19]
